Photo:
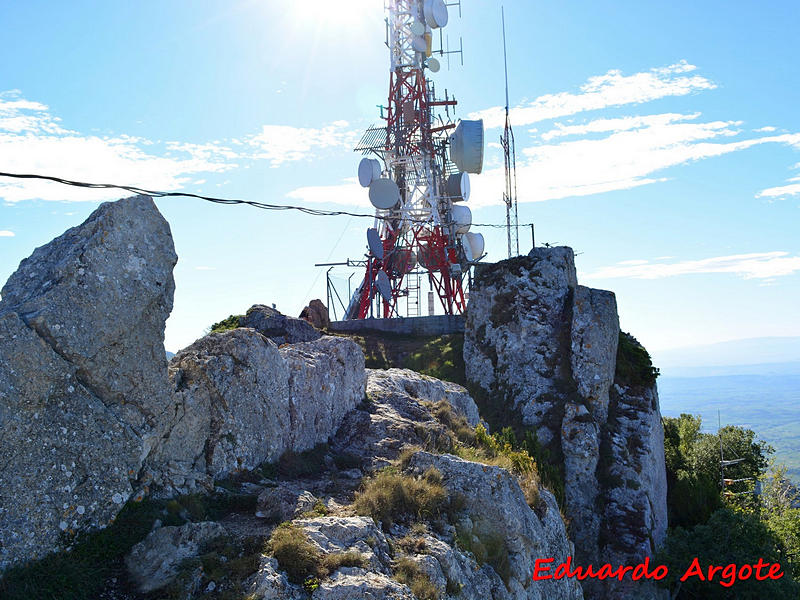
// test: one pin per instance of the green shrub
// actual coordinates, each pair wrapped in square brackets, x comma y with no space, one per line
[232,322]
[391,496]
[634,365]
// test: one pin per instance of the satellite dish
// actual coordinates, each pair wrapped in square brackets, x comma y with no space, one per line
[384,193]
[374,242]
[435,13]
[433,65]
[457,187]
[466,146]
[476,244]
[462,218]
[467,249]
[369,170]
[418,28]
[384,285]
[419,44]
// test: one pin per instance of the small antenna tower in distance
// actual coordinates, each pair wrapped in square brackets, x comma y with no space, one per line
[510,156]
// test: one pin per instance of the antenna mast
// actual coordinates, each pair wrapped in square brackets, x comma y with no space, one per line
[510,159]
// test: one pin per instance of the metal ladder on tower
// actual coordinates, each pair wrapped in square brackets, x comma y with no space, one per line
[412,300]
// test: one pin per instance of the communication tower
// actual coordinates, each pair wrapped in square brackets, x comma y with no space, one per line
[416,168]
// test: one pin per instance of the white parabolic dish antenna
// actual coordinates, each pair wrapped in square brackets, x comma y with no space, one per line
[369,170]
[384,193]
[458,187]
[418,28]
[374,242]
[462,218]
[383,285]
[475,242]
[466,146]
[419,43]
[433,65]
[435,13]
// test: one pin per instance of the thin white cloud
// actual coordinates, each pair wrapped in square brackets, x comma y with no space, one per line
[783,191]
[603,91]
[281,143]
[32,140]
[759,265]
[347,193]
[780,191]
[6,233]
[630,157]
[767,129]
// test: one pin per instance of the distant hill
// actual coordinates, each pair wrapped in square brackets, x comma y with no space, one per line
[756,356]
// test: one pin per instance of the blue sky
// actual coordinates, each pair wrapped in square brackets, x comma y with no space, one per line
[660,140]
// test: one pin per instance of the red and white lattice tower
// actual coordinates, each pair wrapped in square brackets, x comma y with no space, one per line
[417,180]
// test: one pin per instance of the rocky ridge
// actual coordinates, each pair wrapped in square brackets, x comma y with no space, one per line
[545,349]
[285,427]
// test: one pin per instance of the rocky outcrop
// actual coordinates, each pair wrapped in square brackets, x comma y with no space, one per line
[276,326]
[496,511]
[317,314]
[83,374]
[399,413]
[154,562]
[241,401]
[547,349]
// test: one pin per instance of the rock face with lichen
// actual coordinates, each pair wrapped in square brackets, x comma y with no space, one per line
[240,401]
[83,374]
[549,352]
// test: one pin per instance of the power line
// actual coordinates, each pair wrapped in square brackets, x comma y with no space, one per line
[229,201]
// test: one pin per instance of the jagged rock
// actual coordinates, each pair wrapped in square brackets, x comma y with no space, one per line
[317,314]
[344,534]
[326,380]
[270,584]
[154,562]
[276,326]
[351,582]
[459,569]
[284,502]
[496,508]
[83,381]
[548,347]
[396,416]
[241,401]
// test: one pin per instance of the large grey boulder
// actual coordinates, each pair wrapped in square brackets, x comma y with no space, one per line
[83,374]
[241,401]
[276,326]
[547,349]
[496,507]
[154,562]
[398,413]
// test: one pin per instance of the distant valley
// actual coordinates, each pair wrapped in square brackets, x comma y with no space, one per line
[761,392]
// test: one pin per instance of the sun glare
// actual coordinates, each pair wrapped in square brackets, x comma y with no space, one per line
[336,13]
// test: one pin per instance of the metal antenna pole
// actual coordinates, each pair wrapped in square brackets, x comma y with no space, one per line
[510,160]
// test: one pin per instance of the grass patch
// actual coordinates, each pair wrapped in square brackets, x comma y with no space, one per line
[303,562]
[391,496]
[487,548]
[441,357]
[408,572]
